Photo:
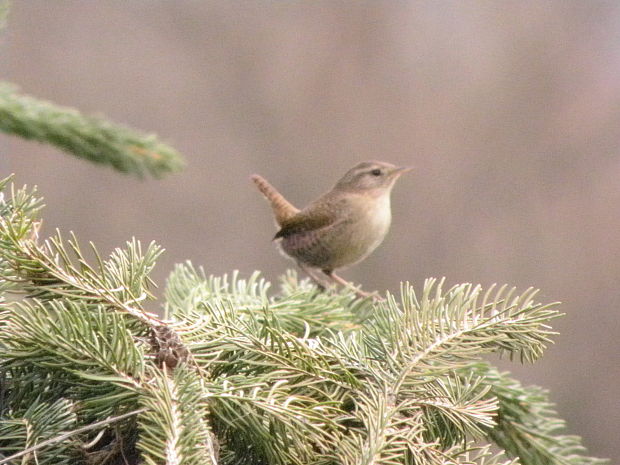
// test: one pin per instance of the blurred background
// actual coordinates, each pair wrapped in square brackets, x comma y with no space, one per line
[509,112]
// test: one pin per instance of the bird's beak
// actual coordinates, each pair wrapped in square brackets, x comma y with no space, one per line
[401,170]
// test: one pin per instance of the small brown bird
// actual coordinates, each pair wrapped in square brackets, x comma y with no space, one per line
[340,228]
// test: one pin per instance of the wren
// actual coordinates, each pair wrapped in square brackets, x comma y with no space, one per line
[341,227]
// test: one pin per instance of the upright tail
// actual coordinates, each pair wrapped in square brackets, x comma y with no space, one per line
[281,207]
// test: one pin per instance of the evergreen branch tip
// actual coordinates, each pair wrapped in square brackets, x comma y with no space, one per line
[91,138]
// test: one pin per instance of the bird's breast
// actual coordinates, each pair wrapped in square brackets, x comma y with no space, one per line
[366,229]
[380,217]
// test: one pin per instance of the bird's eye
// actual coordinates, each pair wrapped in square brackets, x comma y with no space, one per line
[376,172]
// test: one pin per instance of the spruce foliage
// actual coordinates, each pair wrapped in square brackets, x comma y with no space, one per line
[237,374]
[91,138]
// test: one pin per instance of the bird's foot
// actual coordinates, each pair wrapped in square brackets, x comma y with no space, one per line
[320,283]
[365,295]
[349,285]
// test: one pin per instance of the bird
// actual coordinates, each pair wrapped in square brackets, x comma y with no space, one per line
[341,227]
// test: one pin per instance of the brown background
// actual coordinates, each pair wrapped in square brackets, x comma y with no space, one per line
[510,112]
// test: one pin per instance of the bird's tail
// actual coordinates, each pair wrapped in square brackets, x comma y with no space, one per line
[282,208]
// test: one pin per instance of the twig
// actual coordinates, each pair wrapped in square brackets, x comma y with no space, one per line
[64,436]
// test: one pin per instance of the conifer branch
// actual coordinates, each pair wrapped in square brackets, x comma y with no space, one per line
[47,271]
[295,377]
[25,430]
[39,333]
[87,137]
[527,424]
[61,438]
[174,423]
[298,306]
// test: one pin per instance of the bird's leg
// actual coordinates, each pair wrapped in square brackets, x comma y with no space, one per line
[337,279]
[320,283]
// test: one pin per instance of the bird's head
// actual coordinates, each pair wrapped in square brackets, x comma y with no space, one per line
[371,176]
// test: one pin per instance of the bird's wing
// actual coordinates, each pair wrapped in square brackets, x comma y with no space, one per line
[304,235]
[304,223]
